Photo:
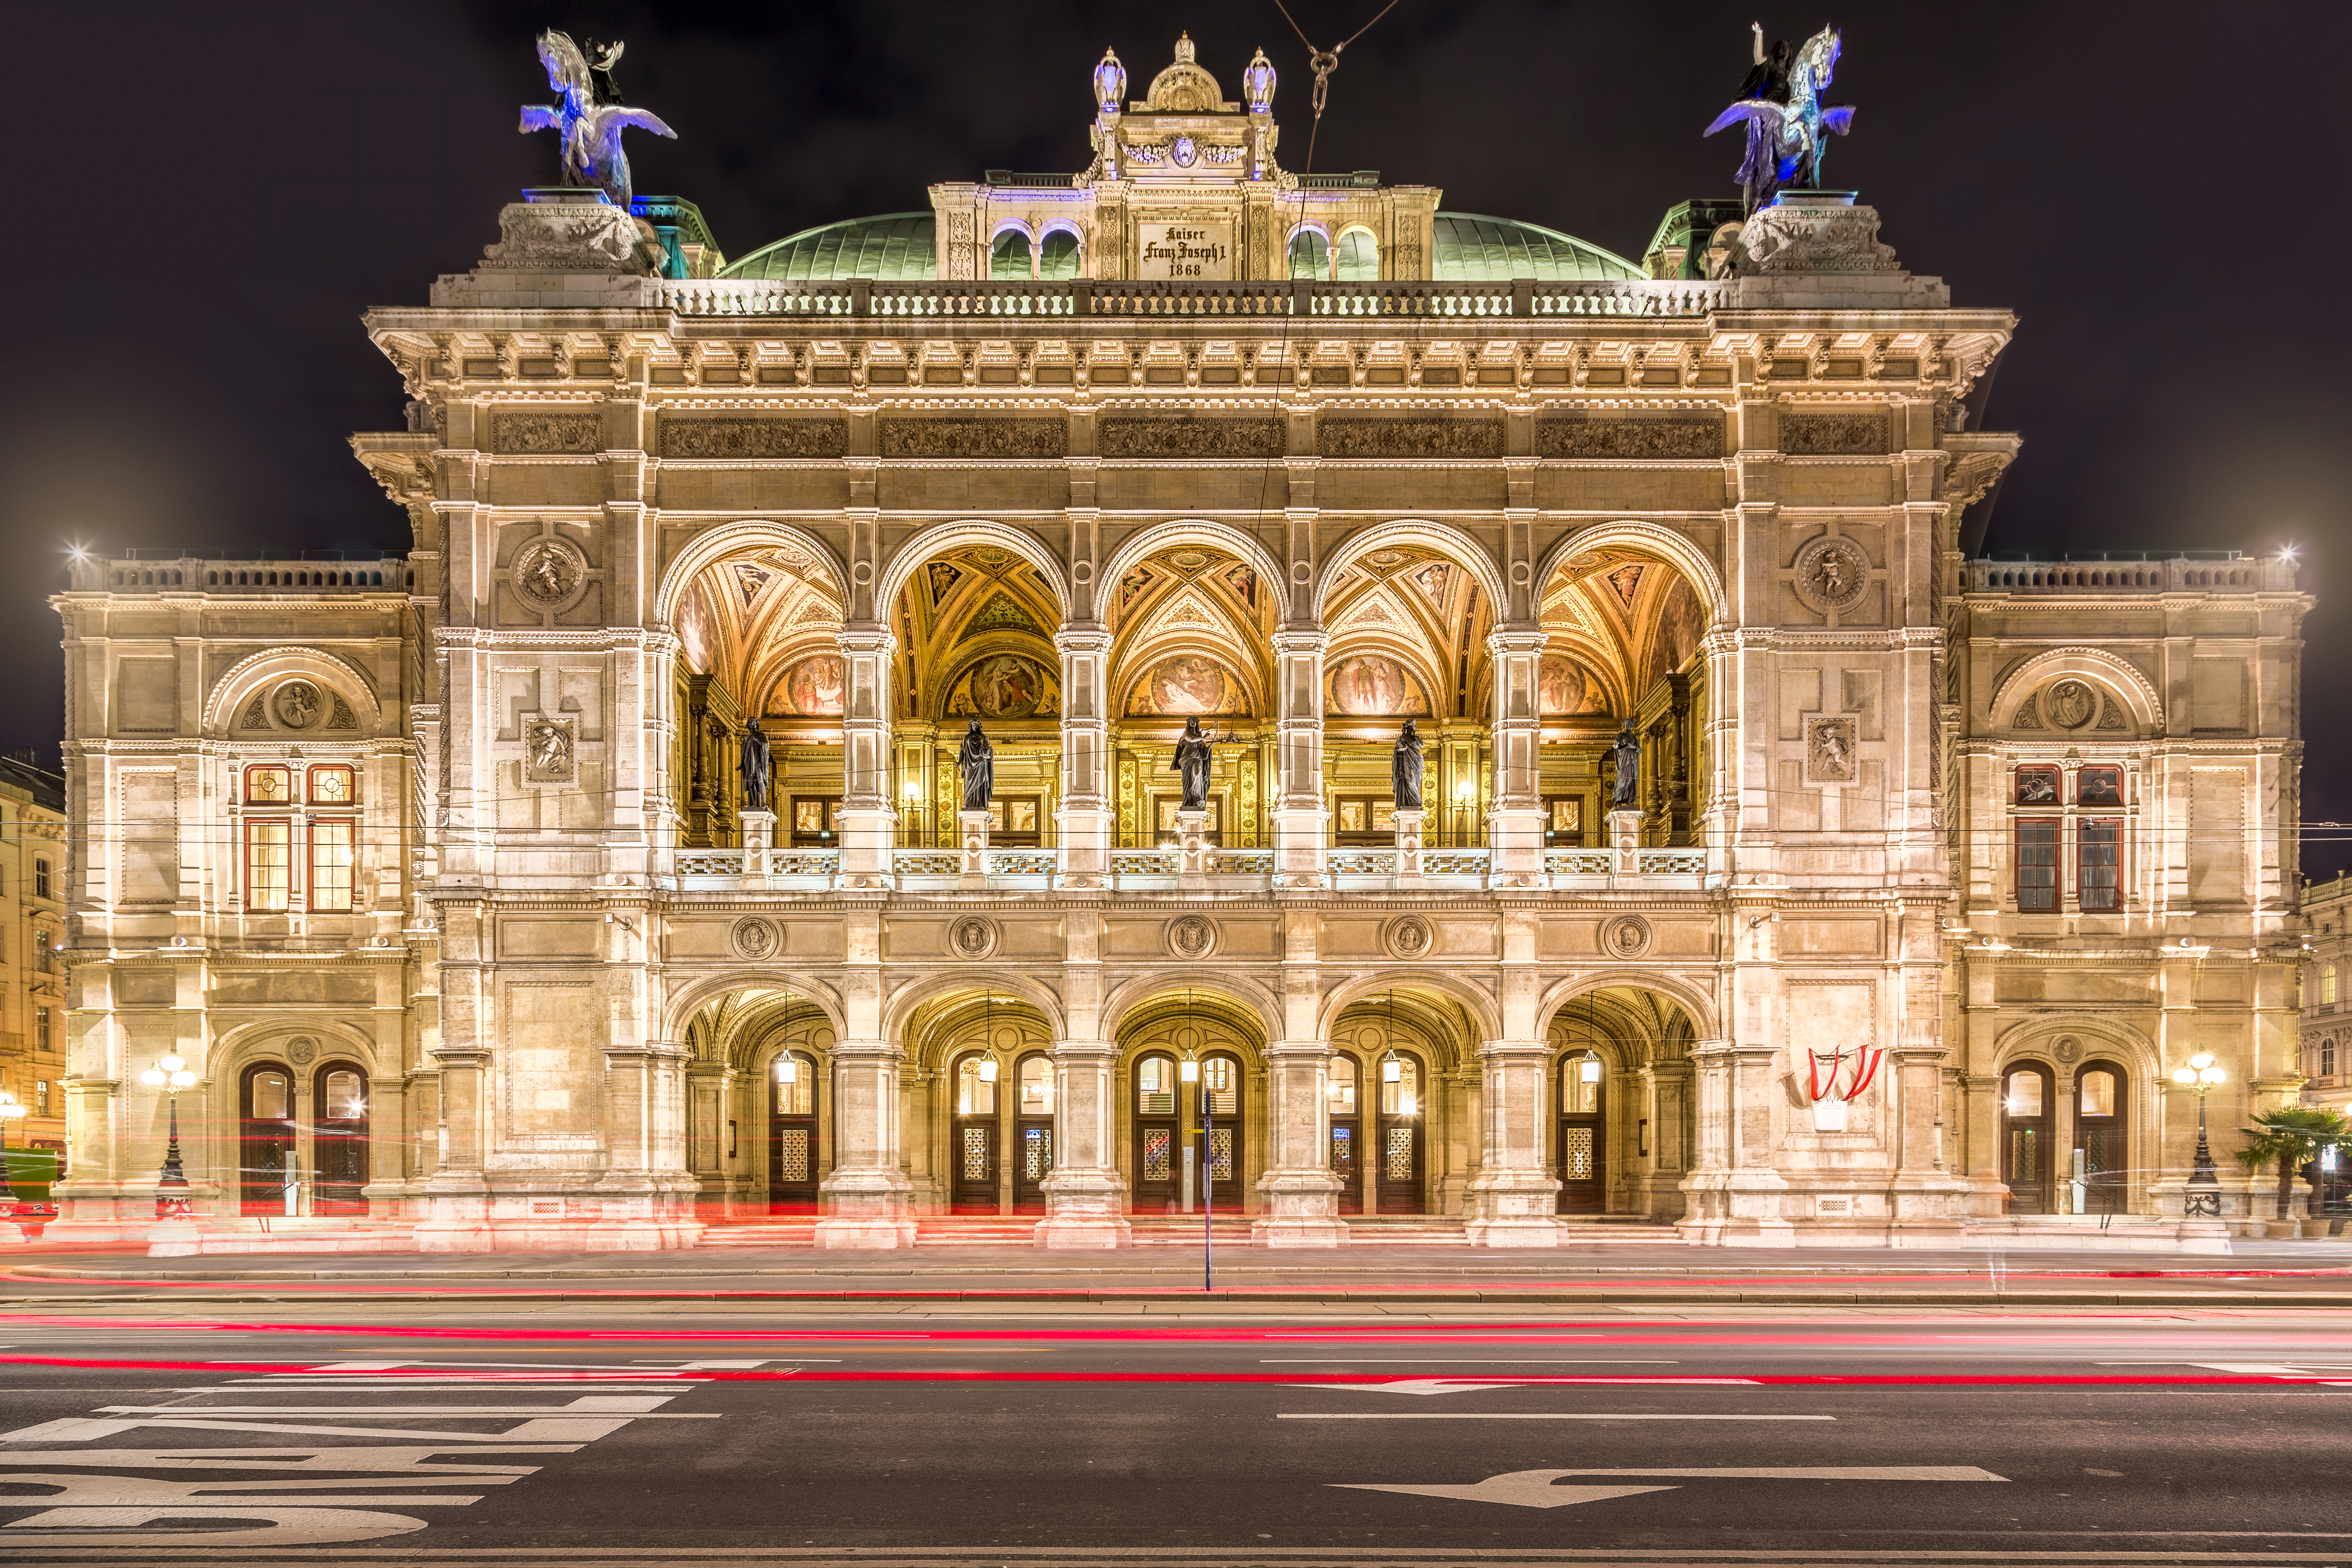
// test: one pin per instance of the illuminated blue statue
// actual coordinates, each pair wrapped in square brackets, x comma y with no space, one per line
[1785,117]
[590,126]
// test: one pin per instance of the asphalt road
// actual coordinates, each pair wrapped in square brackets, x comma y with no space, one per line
[689,1432]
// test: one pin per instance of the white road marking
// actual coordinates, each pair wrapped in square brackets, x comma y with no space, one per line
[1459,1360]
[1521,1416]
[1533,1489]
[1426,1385]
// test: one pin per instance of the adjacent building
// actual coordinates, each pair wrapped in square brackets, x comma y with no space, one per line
[1775,866]
[32,975]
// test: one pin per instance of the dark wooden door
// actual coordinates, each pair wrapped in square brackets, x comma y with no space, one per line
[1347,1162]
[340,1139]
[2099,1107]
[1156,1174]
[1583,1186]
[1033,1131]
[791,1136]
[973,1136]
[1398,1184]
[266,1142]
[1217,1138]
[2025,1162]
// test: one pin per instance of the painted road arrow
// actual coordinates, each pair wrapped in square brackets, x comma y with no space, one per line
[1534,1489]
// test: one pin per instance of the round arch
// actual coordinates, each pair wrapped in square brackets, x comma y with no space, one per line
[2035,1040]
[1446,540]
[2096,665]
[1070,226]
[1664,543]
[943,536]
[1693,998]
[898,1012]
[681,1004]
[1485,1018]
[1222,536]
[238,683]
[1247,997]
[1013,226]
[716,543]
[235,1050]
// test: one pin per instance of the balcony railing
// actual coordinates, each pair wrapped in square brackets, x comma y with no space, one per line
[948,298]
[1160,869]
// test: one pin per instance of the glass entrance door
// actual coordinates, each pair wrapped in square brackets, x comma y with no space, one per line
[2099,1107]
[972,1134]
[339,1144]
[1400,1152]
[1033,1134]
[2025,1102]
[1583,1187]
[791,1136]
[265,1139]
[1155,1175]
[1341,1082]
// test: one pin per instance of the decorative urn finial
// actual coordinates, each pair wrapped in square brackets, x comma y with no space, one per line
[1257,84]
[1110,83]
[1183,48]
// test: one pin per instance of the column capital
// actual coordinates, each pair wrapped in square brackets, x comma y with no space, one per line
[1516,639]
[878,639]
[1290,640]
[868,1049]
[1082,637]
[1513,1047]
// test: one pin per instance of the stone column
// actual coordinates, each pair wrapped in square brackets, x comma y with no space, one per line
[646,1194]
[1670,1088]
[1300,815]
[866,1199]
[869,821]
[1980,1145]
[1515,814]
[1301,1196]
[1926,1203]
[1085,813]
[1513,1198]
[456,1195]
[1086,1197]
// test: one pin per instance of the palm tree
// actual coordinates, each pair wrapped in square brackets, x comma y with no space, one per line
[2290,1135]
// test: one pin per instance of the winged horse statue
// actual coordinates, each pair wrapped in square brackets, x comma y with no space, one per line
[1785,117]
[591,130]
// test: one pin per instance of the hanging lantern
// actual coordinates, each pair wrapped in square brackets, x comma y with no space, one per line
[788,1068]
[1392,1069]
[1589,1069]
[1257,84]
[1188,1069]
[988,1070]
[1111,83]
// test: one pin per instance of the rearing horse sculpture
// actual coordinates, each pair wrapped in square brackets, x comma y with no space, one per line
[1782,137]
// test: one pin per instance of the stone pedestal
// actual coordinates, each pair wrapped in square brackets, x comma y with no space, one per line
[1624,841]
[759,843]
[1085,1198]
[1193,841]
[972,840]
[1408,847]
[868,1200]
[561,247]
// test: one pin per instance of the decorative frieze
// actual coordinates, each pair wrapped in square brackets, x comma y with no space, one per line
[1410,438]
[1845,433]
[703,437]
[975,438]
[537,433]
[1640,438]
[1133,437]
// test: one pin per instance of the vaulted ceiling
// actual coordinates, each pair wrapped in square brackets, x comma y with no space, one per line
[975,630]
[767,623]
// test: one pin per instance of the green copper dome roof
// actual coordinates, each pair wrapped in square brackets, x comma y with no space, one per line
[894,246]
[1473,250]
[899,246]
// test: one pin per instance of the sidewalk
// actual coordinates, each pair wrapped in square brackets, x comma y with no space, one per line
[2308,1274]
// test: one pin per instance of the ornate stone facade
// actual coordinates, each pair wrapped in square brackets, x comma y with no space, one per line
[1904,824]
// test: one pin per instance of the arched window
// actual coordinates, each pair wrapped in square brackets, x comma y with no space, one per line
[2327,1056]
[1058,257]
[1359,256]
[1008,256]
[1311,254]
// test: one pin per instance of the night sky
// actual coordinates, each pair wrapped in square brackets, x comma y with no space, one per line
[208,196]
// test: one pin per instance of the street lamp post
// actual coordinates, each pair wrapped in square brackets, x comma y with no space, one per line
[11,1109]
[1188,1071]
[170,1075]
[2203,1199]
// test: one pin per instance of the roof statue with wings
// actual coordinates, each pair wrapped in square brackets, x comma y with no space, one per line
[1780,104]
[589,121]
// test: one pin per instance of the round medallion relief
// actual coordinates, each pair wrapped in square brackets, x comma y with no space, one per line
[2069,704]
[1627,936]
[298,705]
[1409,936]
[1191,936]
[972,938]
[753,938]
[548,574]
[1832,574]
[2067,1049]
[302,1050]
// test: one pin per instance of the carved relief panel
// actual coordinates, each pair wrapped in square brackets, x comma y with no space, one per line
[546,575]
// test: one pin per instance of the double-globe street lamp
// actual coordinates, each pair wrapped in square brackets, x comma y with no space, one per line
[2203,1199]
[170,1075]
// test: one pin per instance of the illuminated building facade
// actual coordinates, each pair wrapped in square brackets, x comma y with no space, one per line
[1929,868]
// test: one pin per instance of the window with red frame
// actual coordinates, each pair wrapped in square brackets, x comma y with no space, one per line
[2037,865]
